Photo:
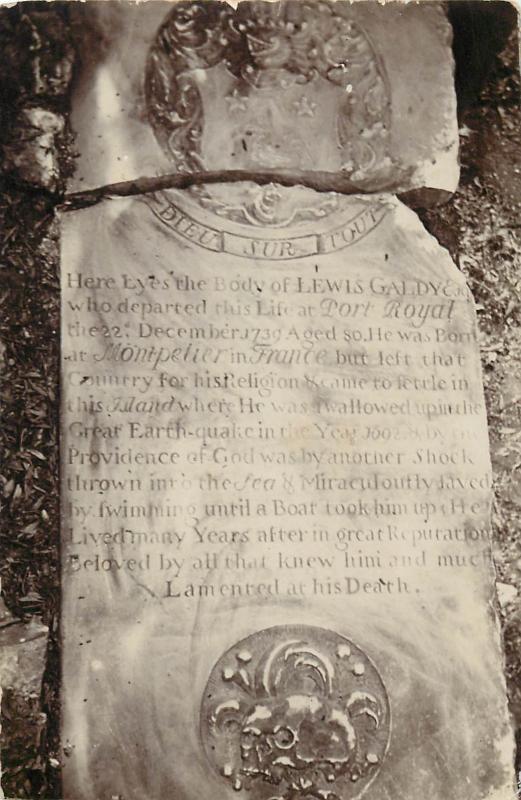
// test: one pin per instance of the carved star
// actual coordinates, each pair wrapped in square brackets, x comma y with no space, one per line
[305,107]
[237,101]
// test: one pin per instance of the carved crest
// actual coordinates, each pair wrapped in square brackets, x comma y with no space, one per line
[296,712]
[290,85]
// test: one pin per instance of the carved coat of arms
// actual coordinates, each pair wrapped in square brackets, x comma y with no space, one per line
[273,85]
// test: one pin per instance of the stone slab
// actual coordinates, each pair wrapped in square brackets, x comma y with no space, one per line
[250,444]
[277,579]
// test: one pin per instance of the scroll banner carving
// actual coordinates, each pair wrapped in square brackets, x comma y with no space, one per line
[354,228]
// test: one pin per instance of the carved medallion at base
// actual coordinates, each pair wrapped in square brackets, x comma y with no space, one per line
[293,712]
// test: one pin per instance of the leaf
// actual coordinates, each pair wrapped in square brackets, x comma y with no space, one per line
[36,454]
[8,488]
[32,528]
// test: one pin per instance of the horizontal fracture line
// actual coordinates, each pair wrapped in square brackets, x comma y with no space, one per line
[319,181]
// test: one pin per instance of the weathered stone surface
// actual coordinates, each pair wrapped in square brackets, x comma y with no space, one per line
[31,152]
[23,657]
[276,481]
[23,648]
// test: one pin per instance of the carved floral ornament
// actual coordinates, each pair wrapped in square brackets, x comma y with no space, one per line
[301,85]
[296,712]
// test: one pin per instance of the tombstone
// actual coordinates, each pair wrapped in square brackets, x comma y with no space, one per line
[277,580]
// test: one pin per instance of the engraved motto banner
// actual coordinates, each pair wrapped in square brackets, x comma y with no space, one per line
[277,578]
